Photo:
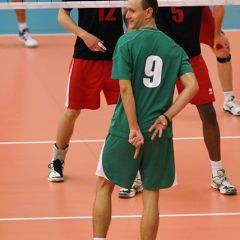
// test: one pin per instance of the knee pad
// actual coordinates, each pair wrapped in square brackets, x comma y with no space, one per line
[224,60]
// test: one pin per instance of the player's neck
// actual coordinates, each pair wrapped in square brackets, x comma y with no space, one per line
[150,23]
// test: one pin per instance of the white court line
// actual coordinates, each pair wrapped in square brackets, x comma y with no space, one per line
[102,140]
[126,216]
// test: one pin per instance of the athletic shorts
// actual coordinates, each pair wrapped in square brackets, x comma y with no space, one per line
[86,80]
[205,93]
[155,163]
[207,28]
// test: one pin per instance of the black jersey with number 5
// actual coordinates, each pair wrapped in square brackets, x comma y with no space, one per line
[182,24]
[104,23]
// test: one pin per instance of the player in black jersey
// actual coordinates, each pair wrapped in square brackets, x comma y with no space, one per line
[183,25]
[97,31]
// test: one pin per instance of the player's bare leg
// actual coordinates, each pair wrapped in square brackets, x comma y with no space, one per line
[224,66]
[102,209]
[211,132]
[150,217]
[66,126]
[64,134]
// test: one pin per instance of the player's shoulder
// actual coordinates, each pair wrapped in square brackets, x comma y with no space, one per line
[127,37]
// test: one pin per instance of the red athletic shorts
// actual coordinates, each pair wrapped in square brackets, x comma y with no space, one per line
[86,80]
[207,28]
[205,93]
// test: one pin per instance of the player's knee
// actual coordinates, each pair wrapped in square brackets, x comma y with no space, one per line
[207,113]
[71,114]
[105,185]
[224,59]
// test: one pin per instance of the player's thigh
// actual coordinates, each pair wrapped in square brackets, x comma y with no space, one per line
[85,83]
[111,88]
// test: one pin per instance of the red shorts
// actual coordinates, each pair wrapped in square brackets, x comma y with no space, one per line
[86,80]
[207,28]
[205,93]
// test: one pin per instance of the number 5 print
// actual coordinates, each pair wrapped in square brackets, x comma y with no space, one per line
[177,14]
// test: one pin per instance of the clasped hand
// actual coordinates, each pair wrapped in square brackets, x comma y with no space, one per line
[136,138]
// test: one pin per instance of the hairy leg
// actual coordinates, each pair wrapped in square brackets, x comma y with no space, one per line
[65,127]
[102,209]
[150,218]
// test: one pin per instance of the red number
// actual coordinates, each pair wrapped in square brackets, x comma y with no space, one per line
[108,16]
[177,14]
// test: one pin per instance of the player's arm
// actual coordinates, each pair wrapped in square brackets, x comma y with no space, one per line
[219,37]
[135,136]
[219,12]
[68,23]
[190,89]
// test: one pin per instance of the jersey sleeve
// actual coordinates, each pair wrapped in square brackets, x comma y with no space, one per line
[185,66]
[122,67]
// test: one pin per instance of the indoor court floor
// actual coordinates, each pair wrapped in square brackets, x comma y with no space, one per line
[32,96]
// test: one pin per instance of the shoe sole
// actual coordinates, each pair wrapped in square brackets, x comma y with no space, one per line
[224,193]
[29,46]
[227,111]
[55,180]
[129,196]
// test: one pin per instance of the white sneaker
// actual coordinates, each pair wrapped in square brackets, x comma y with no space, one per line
[56,171]
[221,182]
[27,39]
[231,106]
[129,193]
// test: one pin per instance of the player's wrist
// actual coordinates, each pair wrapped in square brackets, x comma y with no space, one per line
[167,118]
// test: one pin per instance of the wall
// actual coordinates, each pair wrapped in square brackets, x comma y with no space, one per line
[44,21]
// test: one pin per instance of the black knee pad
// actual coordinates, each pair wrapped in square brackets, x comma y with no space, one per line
[224,60]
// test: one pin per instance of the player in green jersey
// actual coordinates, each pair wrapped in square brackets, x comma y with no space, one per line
[146,62]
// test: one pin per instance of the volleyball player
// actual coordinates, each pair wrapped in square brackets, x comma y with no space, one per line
[147,75]
[97,32]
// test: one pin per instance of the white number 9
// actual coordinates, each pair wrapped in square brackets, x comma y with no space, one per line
[153,70]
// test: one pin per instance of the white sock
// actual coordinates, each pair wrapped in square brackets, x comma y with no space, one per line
[22,26]
[216,165]
[227,95]
[138,176]
[99,238]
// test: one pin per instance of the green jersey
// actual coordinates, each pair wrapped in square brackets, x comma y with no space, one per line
[152,62]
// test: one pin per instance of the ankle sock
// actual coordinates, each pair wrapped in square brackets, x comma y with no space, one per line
[59,153]
[227,95]
[22,26]
[216,165]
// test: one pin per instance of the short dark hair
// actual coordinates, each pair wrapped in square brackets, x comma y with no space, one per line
[150,4]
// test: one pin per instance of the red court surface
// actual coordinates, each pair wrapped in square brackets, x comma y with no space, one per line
[32,96]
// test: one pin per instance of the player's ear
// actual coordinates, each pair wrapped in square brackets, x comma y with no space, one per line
[149,12]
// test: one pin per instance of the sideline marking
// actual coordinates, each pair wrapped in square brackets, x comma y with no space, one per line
[126,216]
[102,140]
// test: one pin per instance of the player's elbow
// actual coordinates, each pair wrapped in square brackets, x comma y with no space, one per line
[195,87]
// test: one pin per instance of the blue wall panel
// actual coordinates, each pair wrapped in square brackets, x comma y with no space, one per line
[44,21]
